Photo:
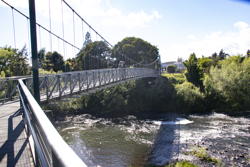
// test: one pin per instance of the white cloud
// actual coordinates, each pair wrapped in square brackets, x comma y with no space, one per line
[93,9]
[233,42]
[191,37]
[241,25]
[131,20]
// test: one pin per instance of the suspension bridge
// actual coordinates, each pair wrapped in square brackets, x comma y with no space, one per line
[27,137]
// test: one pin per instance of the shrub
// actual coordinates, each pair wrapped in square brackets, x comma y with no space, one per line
[230,82]
[176,78]
[189,98]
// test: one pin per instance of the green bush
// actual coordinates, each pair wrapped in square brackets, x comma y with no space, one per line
[189,98]
[176,78]
[230,83]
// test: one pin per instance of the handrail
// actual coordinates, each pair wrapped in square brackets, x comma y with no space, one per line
[50,148]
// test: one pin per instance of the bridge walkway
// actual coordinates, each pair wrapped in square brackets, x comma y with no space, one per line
[14,146]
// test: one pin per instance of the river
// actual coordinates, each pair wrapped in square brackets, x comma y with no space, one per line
[132,142]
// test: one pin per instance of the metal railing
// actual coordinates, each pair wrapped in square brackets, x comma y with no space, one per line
[58,85]
[49,149]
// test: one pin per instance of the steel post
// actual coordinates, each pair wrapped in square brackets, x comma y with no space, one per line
[32,12]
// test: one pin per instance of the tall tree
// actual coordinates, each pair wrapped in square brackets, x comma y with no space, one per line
[222,55]
[54,61]
[194,73]
[41,57]
[133,50]
[87,40]
[248,53]
[94,56]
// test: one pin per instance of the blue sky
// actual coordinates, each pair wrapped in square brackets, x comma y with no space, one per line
[176,27]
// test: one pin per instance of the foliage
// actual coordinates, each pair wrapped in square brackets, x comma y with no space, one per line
[41,57]
[133,97]
[217,57]
[71,65]
[189,98]
[181,164]
[64,107]
[231,82]
[171,69]
[150,94]
[176,164]
[87,40]
[176,78]
[94,56]
[204,64]
[248,53]
[13,62]
[201,153]
[54,61]
[44,72]
[193,73]
[133,50]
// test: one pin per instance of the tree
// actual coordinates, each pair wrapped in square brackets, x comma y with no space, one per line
[14,62]
[194,73]
[41,57]
[53,61]
[217,57]
[94,56]
[171,69]
[87,40]
[248,53]
[230,82]
[133,51]
[222,55]
[71,65]
[204,64]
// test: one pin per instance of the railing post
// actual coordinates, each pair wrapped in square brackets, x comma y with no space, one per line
[79,80]
[99,78]
[59,85]
[93,79]
[70,83]
[87,77]
[32,12]
[47,87]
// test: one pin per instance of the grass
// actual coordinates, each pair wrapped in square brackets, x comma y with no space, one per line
[175,78]
[182,164]
[177,164]
[202,154]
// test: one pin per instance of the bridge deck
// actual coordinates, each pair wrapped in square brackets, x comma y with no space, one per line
[14,146]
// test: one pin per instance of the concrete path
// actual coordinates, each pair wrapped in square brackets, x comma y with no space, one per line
[14,146]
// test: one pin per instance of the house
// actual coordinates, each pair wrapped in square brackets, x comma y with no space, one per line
[179,65]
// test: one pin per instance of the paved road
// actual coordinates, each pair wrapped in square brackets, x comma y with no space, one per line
[14,146]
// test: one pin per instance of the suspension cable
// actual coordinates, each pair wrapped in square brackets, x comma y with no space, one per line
[87,23]
[74,40]
[40,36]
[52,33]
[29,47]
[13,23]
[50,27]
[82,32]
[63,29]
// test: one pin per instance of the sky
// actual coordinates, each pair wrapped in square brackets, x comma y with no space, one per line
[177,27]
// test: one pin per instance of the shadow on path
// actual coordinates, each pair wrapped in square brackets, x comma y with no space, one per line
[16,143]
